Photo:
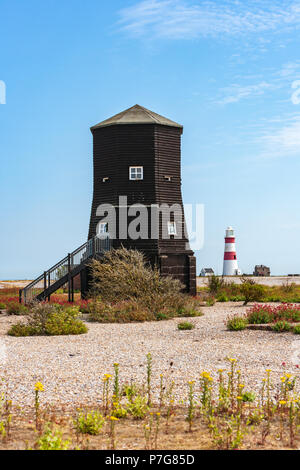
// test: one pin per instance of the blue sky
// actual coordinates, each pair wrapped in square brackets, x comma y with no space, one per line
[229,71]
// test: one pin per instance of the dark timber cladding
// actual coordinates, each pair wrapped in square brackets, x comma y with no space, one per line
[138,137]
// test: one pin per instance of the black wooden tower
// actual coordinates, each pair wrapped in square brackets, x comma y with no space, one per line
[137,155]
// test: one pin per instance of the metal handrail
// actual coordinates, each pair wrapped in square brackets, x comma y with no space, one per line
[65,266]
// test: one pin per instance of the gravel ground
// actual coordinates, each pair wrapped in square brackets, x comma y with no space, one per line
[71,367]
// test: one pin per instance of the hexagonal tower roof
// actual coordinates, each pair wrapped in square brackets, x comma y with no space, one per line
[137,115]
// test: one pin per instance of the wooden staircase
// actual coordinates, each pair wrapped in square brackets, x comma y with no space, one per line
[64,272]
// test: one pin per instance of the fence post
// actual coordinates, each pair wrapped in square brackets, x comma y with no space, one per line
[20,296]
[49,282]
[69,279]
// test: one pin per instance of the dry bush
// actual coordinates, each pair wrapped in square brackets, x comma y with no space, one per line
[125,276]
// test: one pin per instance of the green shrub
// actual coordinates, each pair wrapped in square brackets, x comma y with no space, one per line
[130,391]
[45,319]
[138,407]
[259,317]
[236,323]
[119,411]
[162,316]
[210,301]
[52,440]
[281,326]
[251,292]
[215,284]
[222,298]
[189,309]
[122,312]
[15,308]
[89,422]
[236,298]
[248,397]
[185,326]
[65,322]
[297,330]
[2,306]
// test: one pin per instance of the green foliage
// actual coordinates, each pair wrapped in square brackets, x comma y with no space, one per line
[119,411]
[185,326]
[65,322]
[138,407]
[259,317]
[236,298]
[2,306]
[248,397]
[287,292]
[50,320]
[52,440]
[281,326]
[130,391]
[296,330]
[89,422]
[189,309]
[251,292]
[121,312]
[15,308]
[162,316]
[222,298]
[210,301]
[236,323]
[215,284]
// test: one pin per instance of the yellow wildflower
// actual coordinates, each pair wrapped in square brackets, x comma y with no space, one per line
[39,387]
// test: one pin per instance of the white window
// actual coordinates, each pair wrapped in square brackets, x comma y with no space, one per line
[172,228]
[136,172]
[103,228]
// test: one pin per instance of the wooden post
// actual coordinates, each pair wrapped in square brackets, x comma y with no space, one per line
[69,279]
[20,296]
[49,285]
[72,288]
[45,284]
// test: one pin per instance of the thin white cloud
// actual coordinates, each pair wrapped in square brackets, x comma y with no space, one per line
[183,19]
[285,78]
[282,141]
[236,92]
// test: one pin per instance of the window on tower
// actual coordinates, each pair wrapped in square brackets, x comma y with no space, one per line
[172,228]
[103,228]
[136,173]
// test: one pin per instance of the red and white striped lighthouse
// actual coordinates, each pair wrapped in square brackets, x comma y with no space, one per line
[230,266]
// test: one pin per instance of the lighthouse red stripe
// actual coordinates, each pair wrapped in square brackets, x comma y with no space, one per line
[230,240]
[229,255]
